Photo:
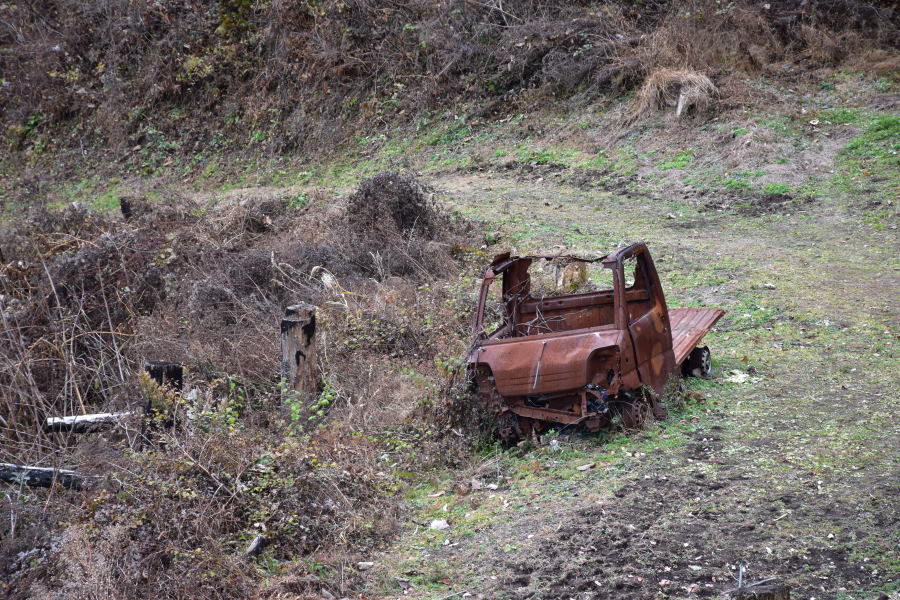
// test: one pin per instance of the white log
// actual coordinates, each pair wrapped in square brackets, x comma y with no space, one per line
[84,423]
[41,476]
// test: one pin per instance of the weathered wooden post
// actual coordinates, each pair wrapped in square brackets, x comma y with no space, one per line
[298,351]
[164,374]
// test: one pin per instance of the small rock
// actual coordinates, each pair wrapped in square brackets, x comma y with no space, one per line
[462,488]
[671,216]
[769,286]
[587,466]
[439,524]
[256,546]
[365,565]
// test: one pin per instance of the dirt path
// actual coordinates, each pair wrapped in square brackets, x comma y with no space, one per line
[792,472]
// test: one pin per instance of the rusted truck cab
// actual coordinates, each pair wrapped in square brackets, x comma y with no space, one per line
[583,358]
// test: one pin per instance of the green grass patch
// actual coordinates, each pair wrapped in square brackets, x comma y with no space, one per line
[776,189]
[680,161]
[297,202]
[547,156]
[599,161]
[736,184]
[868,167]
[446,135]
[841,116]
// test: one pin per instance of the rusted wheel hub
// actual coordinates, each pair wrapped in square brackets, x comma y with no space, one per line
[508,428]
[633,410]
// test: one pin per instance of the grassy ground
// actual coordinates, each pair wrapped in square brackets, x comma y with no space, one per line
[784,462]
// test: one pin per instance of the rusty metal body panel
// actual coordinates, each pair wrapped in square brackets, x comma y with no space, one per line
[580,358]
[689,325]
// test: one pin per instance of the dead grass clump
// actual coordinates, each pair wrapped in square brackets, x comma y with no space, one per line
[238,223]
[684,90]
[388,205]
[709,37]
[394,228]
[823,47]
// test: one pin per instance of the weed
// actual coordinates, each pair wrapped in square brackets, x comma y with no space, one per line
[777,189]
[297,202]
[540,156]
[736,184]
[841,116]
[680,161]
[599,161]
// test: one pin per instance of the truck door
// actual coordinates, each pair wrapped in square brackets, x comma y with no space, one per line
[648,319]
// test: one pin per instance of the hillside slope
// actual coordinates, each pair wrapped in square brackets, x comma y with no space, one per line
[177,174]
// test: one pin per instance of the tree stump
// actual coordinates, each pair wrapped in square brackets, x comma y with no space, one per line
[166,373]
[769,591]
[298,351]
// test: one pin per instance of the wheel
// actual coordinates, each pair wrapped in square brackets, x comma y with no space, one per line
[633,409]
[509,429]
[492,415]
[698,363]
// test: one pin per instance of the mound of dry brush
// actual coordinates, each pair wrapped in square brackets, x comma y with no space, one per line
[87,298]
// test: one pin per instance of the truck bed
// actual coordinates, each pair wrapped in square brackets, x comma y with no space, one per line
[689,325]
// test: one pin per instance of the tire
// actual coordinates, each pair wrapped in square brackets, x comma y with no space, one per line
[509,429]
[504,424]
[632,409]
[698,363]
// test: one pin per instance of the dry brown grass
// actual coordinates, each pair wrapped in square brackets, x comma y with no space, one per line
[88,297]
[684,91]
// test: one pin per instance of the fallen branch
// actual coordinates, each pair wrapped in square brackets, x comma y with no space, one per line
[42,476]
[84,423]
